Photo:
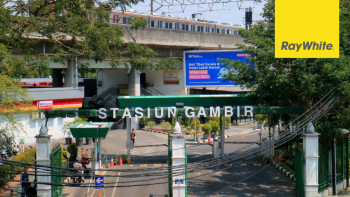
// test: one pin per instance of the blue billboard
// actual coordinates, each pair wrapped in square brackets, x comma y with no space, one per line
[203,69]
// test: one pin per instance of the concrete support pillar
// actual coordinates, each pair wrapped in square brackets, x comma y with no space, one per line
[134,82]
[43,151]
[95,164]
[222,135]
[179,183]
[128,139]
[99,152]
[71,75]
[310,148]
[134,123]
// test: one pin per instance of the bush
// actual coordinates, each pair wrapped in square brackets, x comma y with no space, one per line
[207,128]
[151,124]
[165,125]
[143,120]
[73,150]
[261,118]
[227,121]
[198,125]
[215,126]
[6,170]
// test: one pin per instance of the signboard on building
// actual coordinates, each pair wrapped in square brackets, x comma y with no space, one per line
[45,104]
[202,68]
[171,77]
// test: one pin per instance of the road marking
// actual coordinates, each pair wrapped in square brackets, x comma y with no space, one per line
[131,165]
[116,183]
[157,164]
[242,164]
[143,165]
[257,164]
[228,164]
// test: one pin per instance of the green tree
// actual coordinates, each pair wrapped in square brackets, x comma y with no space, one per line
[75,28]
[295,81]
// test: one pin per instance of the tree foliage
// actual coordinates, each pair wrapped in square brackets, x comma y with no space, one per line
[75,28]
[295,81]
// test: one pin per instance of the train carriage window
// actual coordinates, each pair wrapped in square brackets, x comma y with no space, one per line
[186,27]
[207,29]
[218,30]
[212,30]
[235,32]
[152,23]
[183,26]
[222,31]
[193,27]
[170,25]
[166,25]
[177,26]
[198,28]
[160,24]
[227,31]
[202,28]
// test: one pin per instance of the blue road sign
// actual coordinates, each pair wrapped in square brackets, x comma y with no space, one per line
[179,181]
[203,69]
[99,182]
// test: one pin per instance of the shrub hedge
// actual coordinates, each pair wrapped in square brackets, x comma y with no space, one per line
[9,171]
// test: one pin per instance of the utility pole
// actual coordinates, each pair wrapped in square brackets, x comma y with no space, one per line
[151,5]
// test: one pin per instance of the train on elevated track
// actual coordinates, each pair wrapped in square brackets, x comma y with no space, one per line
[166,21]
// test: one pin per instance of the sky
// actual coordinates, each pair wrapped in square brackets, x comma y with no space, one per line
[232,12]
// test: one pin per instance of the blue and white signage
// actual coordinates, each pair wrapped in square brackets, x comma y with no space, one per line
[179,181]
[203,69]
[99,182]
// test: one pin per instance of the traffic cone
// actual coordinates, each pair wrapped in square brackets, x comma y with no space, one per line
[120,161]
[112,162]
[209,139]
[99,193]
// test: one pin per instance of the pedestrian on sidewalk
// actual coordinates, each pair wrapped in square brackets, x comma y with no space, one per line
[133,136]
[24,180]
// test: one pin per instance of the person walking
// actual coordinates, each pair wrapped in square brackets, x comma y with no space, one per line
[24,180]
[133,136]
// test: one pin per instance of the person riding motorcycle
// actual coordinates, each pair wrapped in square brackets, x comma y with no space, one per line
[79,171]
[84,162]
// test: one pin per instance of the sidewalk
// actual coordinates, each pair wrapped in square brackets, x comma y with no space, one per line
[345,193]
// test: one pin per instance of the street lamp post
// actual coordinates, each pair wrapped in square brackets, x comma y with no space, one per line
[346,132]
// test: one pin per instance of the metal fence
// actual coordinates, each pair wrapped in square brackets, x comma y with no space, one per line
[324,163]
[56,173]
[299,171]
[324,179]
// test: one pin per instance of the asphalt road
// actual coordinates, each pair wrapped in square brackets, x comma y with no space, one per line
[248,177]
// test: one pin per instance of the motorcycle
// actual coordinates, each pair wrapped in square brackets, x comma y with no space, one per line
[78,178]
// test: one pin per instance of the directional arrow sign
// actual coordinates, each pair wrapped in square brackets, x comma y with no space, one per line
[99,182]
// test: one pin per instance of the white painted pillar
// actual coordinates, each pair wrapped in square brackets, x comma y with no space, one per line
[128,139]
[97,164]
[222,135]
[43,151]
[99,152]
[310,148]
[178,164]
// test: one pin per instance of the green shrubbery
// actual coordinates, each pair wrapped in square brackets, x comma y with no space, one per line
[9,171]
[151,124]
[207,128]
[215,126]
[165,125]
